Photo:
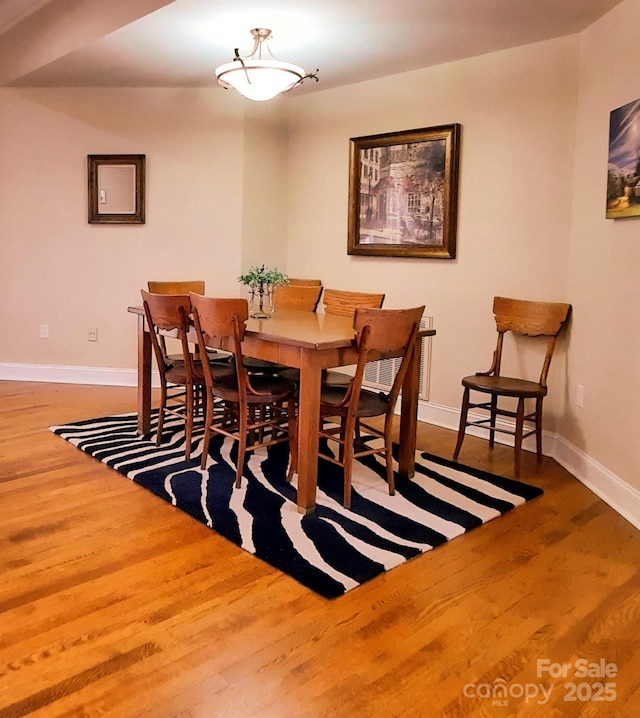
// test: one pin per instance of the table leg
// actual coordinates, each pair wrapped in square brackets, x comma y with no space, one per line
[144,378]
[409,415]
[308,425]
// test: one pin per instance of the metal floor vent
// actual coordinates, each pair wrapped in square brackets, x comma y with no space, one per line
[380,374]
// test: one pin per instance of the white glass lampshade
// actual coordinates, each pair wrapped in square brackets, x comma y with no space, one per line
[259,79]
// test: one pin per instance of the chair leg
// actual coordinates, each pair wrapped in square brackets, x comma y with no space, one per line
[348,424]
[293,438]
[254,420]
[163,403]
[539,428]
[494,419]
[188,420]
[518,435]
[243,415]
[388,453]
[463,423]
[207,430]
[343,440]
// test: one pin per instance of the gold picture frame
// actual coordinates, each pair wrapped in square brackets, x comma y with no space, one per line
[403,193]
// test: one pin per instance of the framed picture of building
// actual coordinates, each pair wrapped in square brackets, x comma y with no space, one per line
[403,193]
[623,172]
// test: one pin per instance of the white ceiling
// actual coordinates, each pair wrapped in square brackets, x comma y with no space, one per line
[180,44]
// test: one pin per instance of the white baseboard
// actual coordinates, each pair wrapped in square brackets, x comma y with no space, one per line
[613,490]
[56,374]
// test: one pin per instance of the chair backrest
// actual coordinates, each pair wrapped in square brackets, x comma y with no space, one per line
[167,314]
[305,282]
[302,297]
[384,331]
[195,285]
[345,303]
[532,319]
[220,320]
[220,323]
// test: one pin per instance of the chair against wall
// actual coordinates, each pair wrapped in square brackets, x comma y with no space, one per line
[181,381]
[526,319]
[392,331]
[262,407]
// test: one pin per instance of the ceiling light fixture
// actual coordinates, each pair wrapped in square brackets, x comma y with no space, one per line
[258,78]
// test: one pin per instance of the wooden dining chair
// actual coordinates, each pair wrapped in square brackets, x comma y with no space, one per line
[339,303]
[293,282]
[261,407]
[182,381]
[526,319]
[344,303]
[303,297]
[194,285]
[183,288]
[377,331]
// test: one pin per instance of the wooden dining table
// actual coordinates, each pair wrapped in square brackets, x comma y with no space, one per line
[310,342]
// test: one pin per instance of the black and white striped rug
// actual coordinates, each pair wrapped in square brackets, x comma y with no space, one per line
[330,551]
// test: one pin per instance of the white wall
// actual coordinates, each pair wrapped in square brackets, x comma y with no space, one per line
[265,179]
[57,269]
[517,112]
[604,259]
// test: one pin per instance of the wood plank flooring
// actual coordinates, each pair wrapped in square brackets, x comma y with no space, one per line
[112,603]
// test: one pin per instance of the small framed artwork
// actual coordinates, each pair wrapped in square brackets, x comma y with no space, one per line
[623,174]
[116,189]
[403,193]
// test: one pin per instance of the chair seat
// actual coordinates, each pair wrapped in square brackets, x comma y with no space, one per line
[291,375]
[261,366]
[505,386]
[177,374]
[271,389]
[213,356]
[335,378]
[329,378]
[369,404]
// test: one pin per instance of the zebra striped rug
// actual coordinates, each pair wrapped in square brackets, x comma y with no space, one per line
[330,551]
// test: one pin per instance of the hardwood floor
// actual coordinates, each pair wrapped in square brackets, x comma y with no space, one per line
[113,603]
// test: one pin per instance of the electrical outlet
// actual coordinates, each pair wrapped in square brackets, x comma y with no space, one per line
[580,395]
[93,334]
[44,331]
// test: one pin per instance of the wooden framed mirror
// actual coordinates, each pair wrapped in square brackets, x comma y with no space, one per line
[116,189]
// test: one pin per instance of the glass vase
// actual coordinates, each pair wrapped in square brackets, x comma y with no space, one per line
[260,302]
